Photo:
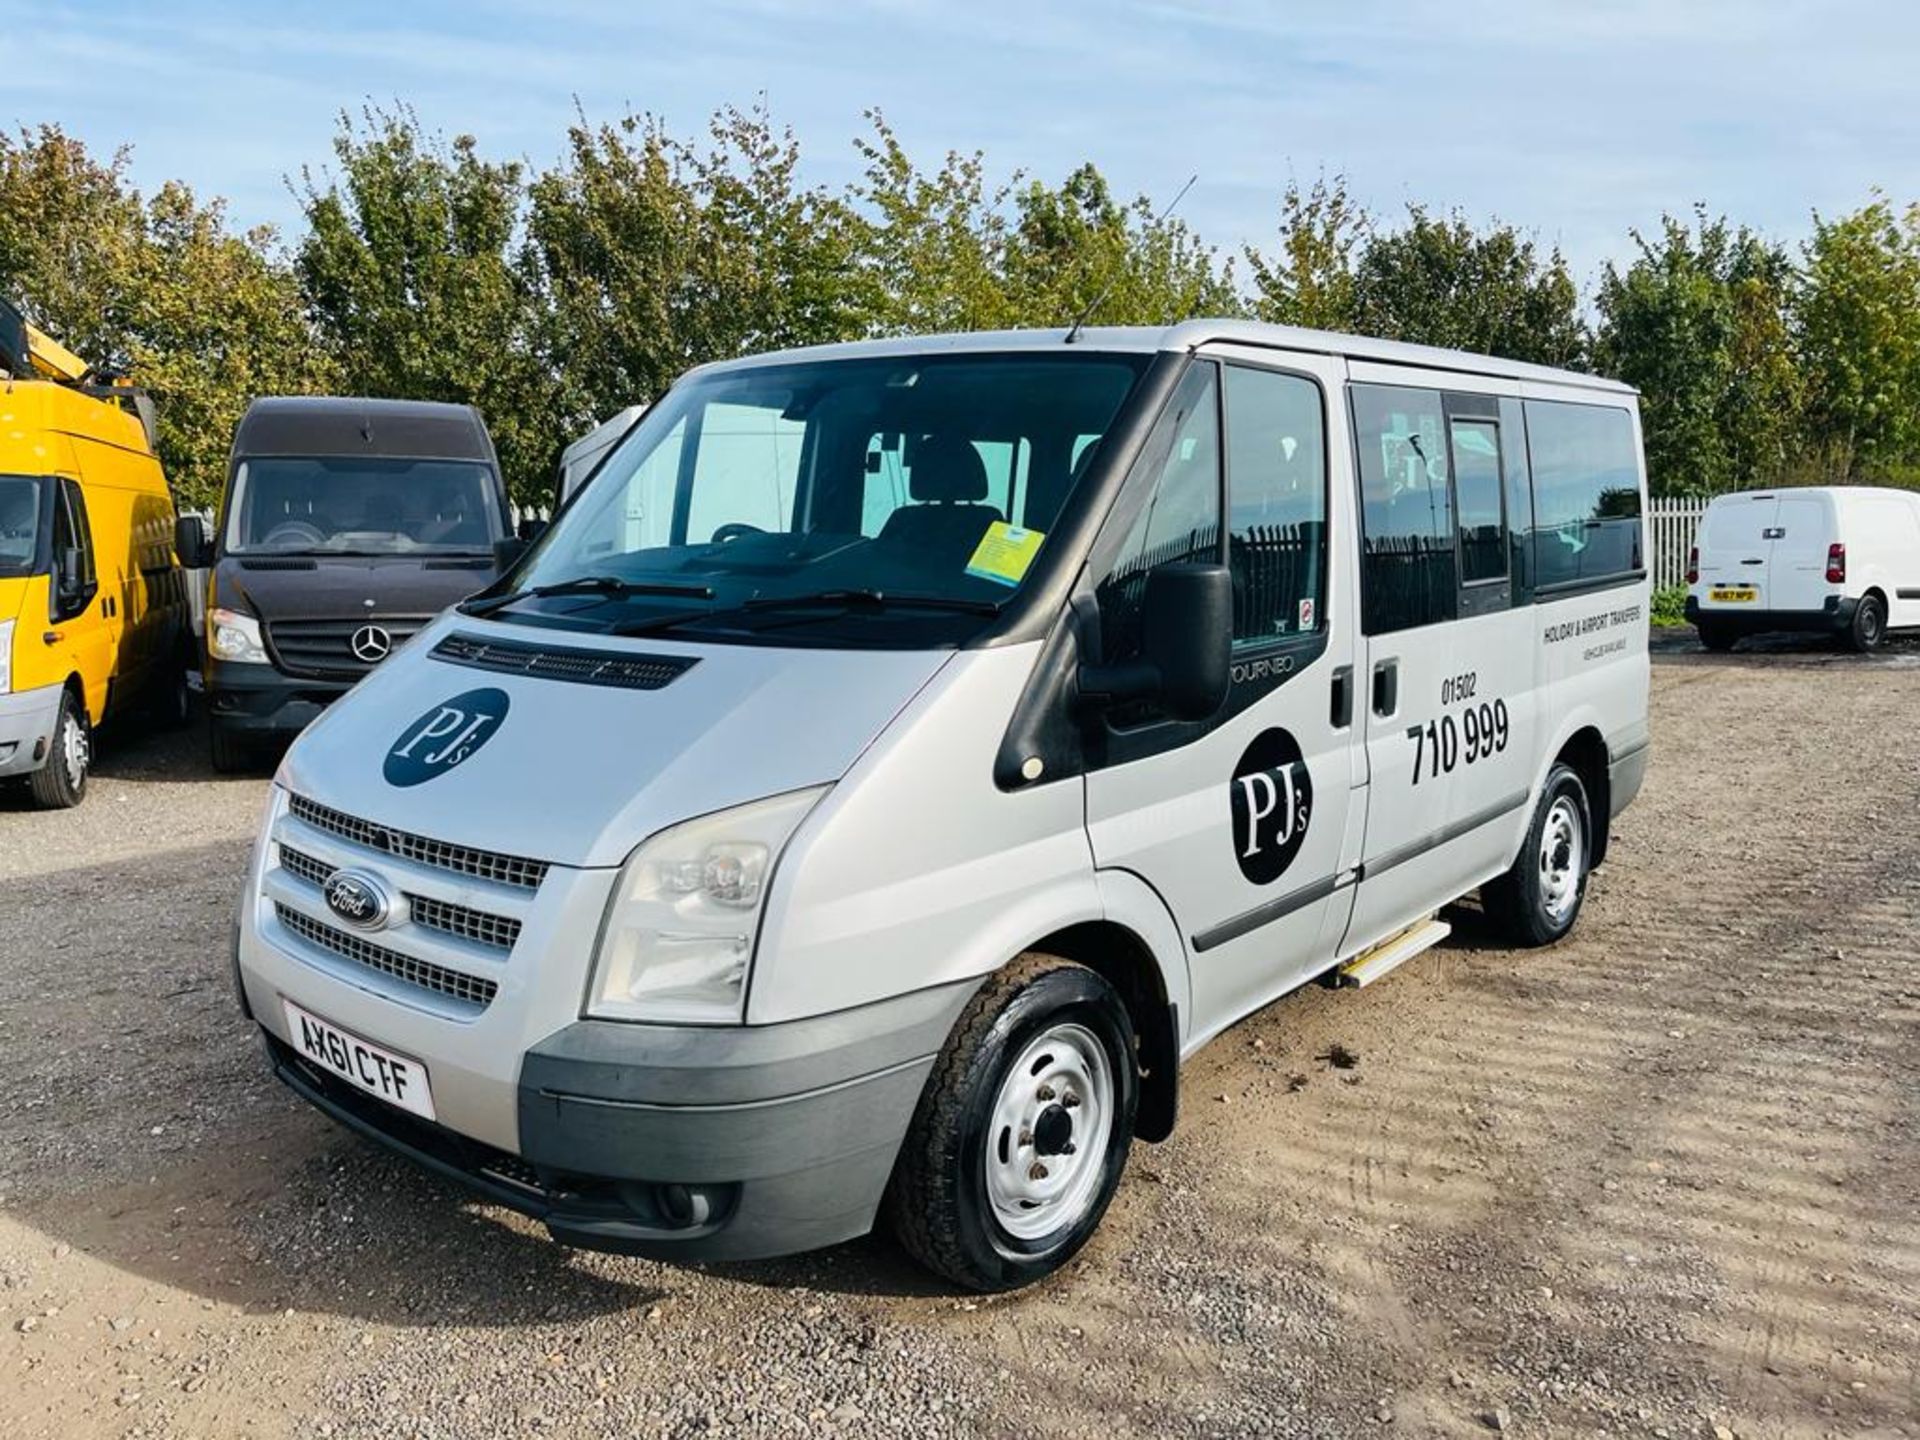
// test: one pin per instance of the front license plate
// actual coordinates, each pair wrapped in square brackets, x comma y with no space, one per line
[1735,594]
[373,1068]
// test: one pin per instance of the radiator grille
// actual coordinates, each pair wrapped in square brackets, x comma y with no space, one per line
[462,859]
[426,975]
[323,649]
[497,931]
[552,662]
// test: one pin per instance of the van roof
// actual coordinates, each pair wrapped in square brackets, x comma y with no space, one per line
[351,425]
[1188,335]
[1823,492]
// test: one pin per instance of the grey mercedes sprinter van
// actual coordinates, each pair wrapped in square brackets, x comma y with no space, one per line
[346,526]
[900,757]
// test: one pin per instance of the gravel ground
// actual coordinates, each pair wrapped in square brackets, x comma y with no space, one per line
[1661,1180]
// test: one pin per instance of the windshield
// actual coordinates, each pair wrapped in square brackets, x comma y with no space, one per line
[897,501]
[361,506]
[19,523]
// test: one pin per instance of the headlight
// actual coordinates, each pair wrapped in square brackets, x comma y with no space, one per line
[6,657]
[680,929]
[234,636]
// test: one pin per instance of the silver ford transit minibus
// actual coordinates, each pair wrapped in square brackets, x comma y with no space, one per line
[901,756]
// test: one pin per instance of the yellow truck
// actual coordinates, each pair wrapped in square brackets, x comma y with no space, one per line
[93,606]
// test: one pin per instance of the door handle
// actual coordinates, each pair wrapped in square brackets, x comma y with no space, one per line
[53,637]
[1386,687]
[1341,716]
[1753,562]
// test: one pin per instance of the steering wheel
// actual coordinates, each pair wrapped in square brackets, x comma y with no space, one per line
[293,531]
[733,530]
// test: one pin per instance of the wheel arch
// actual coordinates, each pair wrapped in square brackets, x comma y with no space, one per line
[1585,751]
[1126,961]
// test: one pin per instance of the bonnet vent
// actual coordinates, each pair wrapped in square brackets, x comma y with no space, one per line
[618,669]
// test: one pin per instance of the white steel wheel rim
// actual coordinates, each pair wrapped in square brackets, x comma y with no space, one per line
[73,750]
[1562,859]
[1052,1123]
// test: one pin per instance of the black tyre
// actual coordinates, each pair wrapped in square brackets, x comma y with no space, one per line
[1869,625]
[1715,638]
[61,783]
[172,699]
[1020,1136]
[1538,900]
[231,755]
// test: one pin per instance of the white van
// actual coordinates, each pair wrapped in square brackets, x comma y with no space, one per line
[902,756]
[1844,560]
[579,459]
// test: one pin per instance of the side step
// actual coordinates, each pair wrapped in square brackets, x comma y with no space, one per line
[1370,965]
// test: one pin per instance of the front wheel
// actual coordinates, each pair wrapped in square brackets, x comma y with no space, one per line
[61,783]
[1539,898]
[1869,625]
[1020,1136]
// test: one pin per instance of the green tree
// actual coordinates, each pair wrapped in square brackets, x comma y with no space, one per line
[409,269]
[1308,280]
[1698,323]
[70,229]
[215,321]
[1858,323]
[1439,281]
[650,254]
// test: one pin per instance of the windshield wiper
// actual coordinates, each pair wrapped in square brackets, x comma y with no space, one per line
[871,599]
[611,585]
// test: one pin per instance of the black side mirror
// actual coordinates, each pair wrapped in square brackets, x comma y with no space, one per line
[193,541]
[531,529]
[507,552]
[1185,663]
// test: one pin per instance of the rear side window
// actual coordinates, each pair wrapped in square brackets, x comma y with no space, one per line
[1586,493]
[1408,574]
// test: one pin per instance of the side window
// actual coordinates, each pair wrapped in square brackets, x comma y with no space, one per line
[1586,492]
[1477,491]
[1277,504]
[746,470]
[72,536]
[1180,520]
[1408,575]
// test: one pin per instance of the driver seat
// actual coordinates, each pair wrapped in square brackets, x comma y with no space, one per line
[947,481]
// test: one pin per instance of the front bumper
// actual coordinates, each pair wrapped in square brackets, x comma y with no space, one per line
[260,700]
[1833,618]
[688,1143]
[27,718]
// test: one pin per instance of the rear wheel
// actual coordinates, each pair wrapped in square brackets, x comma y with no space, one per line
[1020,1136]
[1715,637]
[1869,625]
[61,783]
[1539,898]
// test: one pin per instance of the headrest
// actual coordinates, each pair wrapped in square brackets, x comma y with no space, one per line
[946,468]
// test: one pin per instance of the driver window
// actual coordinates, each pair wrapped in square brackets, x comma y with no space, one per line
[1181,518]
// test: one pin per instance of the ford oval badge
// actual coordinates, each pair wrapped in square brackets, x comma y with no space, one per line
[358,898]
[446,736]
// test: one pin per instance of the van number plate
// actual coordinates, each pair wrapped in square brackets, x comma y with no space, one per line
[372,1068]
[1733,593]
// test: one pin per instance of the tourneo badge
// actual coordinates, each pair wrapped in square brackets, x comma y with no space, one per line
[446,736]
[1272,799]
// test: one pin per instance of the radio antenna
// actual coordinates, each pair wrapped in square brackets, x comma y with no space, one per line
[1081,319]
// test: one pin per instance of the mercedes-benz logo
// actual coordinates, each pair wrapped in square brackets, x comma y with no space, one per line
[371,644]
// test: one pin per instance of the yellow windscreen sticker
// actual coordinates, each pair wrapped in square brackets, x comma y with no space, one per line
[1004,553]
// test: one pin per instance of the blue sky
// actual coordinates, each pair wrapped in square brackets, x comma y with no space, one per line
[1573,120]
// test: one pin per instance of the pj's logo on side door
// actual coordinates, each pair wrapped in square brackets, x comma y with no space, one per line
[1272,799]
[446,736]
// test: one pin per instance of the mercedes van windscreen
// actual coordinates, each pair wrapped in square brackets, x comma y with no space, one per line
[362,505]
[20,505]
[887,502]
